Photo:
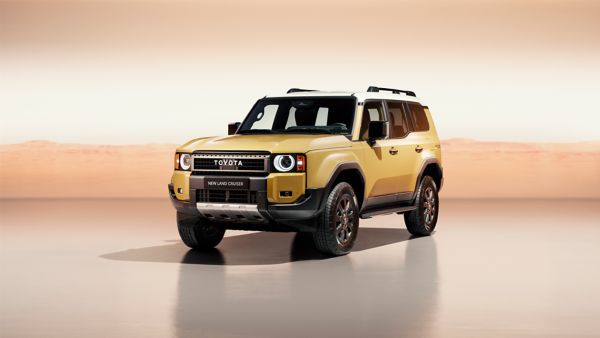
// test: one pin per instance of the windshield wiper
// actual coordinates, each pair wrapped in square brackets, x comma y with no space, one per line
[319,130]
[256,131]
[308,130]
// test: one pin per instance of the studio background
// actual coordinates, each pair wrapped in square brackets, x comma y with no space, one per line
[96,95]
[104,88]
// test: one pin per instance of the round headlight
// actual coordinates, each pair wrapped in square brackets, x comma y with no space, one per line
[185,161]
[284,162]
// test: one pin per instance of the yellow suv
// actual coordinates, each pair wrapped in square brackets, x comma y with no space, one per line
[312,161]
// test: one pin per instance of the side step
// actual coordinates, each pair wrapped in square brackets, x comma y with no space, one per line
[387,210]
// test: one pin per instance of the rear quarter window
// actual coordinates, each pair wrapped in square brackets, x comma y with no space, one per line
[418,116]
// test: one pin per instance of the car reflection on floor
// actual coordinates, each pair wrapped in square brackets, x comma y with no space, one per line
[273,284]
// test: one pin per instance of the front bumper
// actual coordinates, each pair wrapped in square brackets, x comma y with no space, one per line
[298,216]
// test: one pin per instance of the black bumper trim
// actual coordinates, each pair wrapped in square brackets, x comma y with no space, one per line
[185,207]
[299,216]
[307,208]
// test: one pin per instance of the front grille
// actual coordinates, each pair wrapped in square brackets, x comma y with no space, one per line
[227,196]
[213,164]
[230,162]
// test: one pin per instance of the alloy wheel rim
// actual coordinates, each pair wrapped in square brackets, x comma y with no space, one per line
[344,220]
[429,206]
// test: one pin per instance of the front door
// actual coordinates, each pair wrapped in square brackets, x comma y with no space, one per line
[380,175]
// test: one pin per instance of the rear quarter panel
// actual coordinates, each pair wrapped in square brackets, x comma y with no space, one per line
[434,147]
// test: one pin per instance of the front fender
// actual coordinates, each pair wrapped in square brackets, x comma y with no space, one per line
[325,163]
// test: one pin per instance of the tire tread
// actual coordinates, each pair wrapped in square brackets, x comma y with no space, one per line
[189,229]
[415,224]
[323,237]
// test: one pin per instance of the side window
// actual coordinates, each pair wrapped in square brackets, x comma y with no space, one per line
[417,113]
[372,111]
[265,119]
[398,123]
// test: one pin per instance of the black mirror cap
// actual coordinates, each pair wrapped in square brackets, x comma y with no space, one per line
[377,130]
[232,128]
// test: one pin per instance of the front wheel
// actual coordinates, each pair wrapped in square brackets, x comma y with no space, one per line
[422,220]
[198,233]
[338,226]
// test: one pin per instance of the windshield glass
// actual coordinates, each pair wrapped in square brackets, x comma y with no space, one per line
[302,115]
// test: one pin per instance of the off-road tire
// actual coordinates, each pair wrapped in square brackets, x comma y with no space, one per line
[422,220]
[337,227]
[197,233]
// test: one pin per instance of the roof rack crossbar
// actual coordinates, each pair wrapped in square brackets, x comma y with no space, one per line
[394,91]
[297,90]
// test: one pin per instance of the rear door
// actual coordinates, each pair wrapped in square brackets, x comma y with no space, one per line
[404,159]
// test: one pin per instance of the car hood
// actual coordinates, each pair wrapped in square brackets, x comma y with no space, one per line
[276,143]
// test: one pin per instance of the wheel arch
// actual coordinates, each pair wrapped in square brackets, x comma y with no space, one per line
[352,174]
[431,167]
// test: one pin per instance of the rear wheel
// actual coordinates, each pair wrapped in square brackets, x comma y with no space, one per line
[338,226]
[423,219]
[198,233]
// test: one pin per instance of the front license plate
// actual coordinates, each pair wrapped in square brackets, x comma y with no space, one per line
[224,183]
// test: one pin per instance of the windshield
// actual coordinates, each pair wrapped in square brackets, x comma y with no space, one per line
[302,115]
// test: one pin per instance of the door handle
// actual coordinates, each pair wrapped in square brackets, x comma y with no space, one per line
[418,149]
[393,151]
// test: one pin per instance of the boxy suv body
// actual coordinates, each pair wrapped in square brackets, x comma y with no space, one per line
[312,161]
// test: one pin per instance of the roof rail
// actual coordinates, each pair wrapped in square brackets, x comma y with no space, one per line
[394,91]
[297,90]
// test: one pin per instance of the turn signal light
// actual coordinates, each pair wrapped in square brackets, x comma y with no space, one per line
[300,163]
[176,161]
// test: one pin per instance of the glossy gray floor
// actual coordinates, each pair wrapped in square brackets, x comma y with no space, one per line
[100,268]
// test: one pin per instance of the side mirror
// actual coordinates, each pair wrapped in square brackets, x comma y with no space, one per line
[377,131]
[233,127]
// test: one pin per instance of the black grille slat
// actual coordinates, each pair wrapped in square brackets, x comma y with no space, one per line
[227,196]
[230,163]
[238,196]
[209,164]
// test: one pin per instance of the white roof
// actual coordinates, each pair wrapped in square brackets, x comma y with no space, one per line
[360,96]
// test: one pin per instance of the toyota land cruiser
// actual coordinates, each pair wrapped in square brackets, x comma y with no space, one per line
[312,161]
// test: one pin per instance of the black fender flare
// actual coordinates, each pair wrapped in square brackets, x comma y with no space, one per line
[422,171]
[336,173]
